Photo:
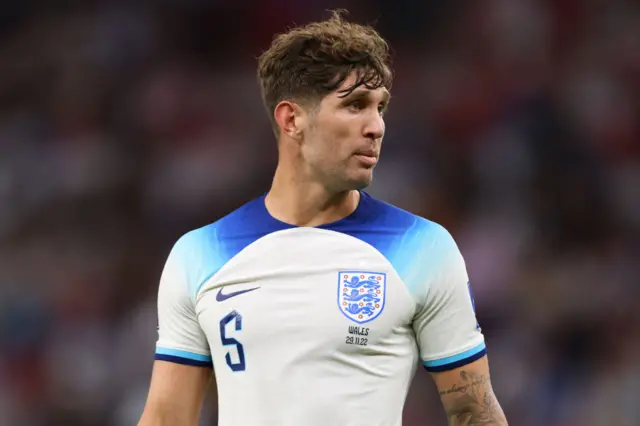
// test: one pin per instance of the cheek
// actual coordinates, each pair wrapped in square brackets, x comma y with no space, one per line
[344,136]
[334,139]
[339,146]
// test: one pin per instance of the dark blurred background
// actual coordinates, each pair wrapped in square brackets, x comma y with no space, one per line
[515,124]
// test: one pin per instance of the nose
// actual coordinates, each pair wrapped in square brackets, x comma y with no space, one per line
[374,127]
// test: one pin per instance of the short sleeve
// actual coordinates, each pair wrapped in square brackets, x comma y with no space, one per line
[180,338]
[445,323]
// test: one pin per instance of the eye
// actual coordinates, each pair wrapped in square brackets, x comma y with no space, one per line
[356,105]
[382,108]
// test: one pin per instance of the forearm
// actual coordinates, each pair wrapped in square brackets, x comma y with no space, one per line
[155,419]
[161,416]
[176,395]
[477,414]
[472,402]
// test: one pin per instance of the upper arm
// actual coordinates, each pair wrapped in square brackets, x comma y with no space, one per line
[467,395]
[445,324]
[175,395]
[451,343]
[180,337]
[183,364]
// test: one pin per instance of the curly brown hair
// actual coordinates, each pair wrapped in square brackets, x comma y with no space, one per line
[307,63]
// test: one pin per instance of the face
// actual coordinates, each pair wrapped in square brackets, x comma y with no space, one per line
[343,137]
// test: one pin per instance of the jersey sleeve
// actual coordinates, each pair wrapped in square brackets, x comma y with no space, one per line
[445,324]
[180,338]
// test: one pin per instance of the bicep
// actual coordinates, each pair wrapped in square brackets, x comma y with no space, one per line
[445,324]
[467,395]
[175,394]
[183,366]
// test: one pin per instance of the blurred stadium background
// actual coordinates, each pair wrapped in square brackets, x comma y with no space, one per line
[515,123]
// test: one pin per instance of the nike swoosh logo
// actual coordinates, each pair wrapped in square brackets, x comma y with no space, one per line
[220,297]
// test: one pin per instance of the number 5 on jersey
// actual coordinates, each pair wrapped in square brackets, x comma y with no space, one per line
[230,341]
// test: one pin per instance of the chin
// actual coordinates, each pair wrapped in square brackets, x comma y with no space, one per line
[362,185]
[360,182]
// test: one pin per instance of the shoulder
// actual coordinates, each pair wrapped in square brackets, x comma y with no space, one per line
[247,221]
[418,248]
[203,251]
[408,227]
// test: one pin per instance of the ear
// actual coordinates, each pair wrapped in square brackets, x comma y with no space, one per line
[291,119]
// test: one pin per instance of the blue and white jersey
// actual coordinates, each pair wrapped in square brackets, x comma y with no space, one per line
[317,325]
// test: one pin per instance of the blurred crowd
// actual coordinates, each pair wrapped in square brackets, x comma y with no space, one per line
[514,123]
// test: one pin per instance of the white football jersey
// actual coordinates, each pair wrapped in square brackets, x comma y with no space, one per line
[317,325]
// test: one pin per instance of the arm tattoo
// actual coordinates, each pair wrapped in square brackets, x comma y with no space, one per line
[471,402]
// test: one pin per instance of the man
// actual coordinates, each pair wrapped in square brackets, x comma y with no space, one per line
[315,303]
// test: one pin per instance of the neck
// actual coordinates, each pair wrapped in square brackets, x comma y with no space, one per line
[303,202]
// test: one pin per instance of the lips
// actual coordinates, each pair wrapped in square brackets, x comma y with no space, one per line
[367,153]
[367,156]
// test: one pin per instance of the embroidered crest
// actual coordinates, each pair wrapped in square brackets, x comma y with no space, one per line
[361,294]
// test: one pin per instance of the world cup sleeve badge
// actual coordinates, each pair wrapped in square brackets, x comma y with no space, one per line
[361,294]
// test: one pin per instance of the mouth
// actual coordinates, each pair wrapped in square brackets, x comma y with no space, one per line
[368,156]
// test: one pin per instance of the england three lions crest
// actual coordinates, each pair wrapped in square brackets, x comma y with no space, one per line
[361,294]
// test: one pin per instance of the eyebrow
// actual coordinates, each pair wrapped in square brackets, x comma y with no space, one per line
[366,93]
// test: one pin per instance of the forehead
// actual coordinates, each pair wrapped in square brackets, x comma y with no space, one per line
[341,92]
